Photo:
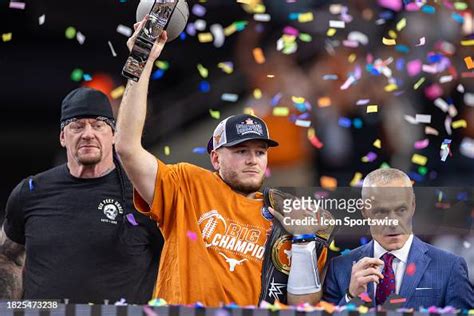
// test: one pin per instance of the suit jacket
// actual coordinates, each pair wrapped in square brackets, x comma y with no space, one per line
[441,278]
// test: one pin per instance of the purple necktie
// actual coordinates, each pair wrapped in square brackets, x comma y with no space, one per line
[386,287]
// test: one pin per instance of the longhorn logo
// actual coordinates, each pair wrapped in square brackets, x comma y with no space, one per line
[232,262]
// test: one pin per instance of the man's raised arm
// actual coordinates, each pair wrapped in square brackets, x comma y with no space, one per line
[140,165]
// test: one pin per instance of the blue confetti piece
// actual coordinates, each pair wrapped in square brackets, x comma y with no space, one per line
[300,107]
[428,9]
[182,36]
[200,150]
[131,219]
[434,58]
[31,184]
[204,86]
[458,18]
[416,176]
[345,122]
[87,77]
[386,15]
[276,99]
[462,196]
[446,141]
[363,240]
[402,49]
[400,64]
[157,74]
[345,252]
[357,122]
[293,16]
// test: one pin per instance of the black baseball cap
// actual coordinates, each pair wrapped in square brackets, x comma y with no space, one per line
[237,129]
[86,103]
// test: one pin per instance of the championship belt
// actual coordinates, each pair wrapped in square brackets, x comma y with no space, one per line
[277,260]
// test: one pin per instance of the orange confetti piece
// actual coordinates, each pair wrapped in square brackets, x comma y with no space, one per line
[329,183]
[469,62]
[258,55]
[324,102]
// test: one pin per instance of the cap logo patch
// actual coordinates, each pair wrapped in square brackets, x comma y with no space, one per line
[249,127]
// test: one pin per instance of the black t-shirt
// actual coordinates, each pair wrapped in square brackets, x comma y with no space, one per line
[84,241]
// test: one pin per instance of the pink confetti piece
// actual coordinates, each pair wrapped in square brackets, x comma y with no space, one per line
[411,269]
[289,30]
[395,5]
[433,91]
[414,67]
[17,5]
[191,235]
[421,144]
[365,297]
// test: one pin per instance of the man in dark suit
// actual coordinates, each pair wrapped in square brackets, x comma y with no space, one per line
[379,268]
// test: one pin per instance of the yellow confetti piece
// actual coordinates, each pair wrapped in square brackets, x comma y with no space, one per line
[469,62]
[117,92]
[324,102]
[459,124]
[281,111]
[332,246]
[356,179]
[329,183]
[6,37]
[401,24]
[388,41]
[372,108]
[305,17]
[377,143]
[392,34]
[257,94]
[225,68]
[390,87]
[160,64]
[202,71]
[363,309]
[352,58]
[167,150]
[249,111]
[270,76]
[258,55]
[331,32]
[205,37]
[215,114]
[231,29]
[467,43]
[419,159]
[419,83]
[297,99]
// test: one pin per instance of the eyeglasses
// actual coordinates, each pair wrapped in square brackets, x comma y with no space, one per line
[79,125]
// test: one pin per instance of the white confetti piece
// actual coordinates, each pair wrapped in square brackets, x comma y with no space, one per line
[337,24]
[218,33]
[359,37]
[441,104]
[469,99]
[17,5]
[80,38]
[229,97]
[200,25]
[124,30]
[41,19]
[262,17]
[410,119]
[112,49]
[445,79]
[421,42]
[303,123]
[423,118]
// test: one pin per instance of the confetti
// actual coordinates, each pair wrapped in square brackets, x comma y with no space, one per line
[117,92]
[200,24]
[414,67]
[397,300]
[467,43]
[112,49]
[324,102]
[76,75]
[428,9]
[131,219]
[306,17]
[6,37]
[466,244]
[377,144]
[358,37]
[344,122]
[258,55]
[410,269]
[203,71]
[332,246]
[421,42]
[229,97]
[441,104]
[391,87]
[370,157]
[41,19]
[17,5]
[389,41]
[423,118]
[419,83]
[218,33]
[198,10]
[281,111]
[227,67]
[205,37]
[204,86]
[337,24]
[372,108]
[124,30]
[421,144]
[191,235]
[70,32]
[262,17]
[327,182]
[345,252]
[469,62]
[459,124]
[419,159]
[303,123]
[356,179]
[257,94]
[365,297]
[467,147]
[199,150]
[215,114]
[362,101]
[80,38]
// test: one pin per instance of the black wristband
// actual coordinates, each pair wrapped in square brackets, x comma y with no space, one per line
[349,295]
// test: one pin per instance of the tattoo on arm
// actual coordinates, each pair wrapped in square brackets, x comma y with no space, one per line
[12,259]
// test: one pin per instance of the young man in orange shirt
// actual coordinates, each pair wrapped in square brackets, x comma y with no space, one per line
[224,209]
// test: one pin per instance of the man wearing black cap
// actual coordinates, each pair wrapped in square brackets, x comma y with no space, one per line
[75,223]
[213,223]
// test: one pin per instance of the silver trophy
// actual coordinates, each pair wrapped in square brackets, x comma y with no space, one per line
[157,21]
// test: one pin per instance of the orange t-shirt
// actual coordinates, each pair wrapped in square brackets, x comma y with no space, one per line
[214,238]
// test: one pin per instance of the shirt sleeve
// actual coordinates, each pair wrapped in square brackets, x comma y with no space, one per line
[14,225]
[165,198]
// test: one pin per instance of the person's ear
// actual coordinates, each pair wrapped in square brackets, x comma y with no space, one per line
[62,140]
[215,160]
